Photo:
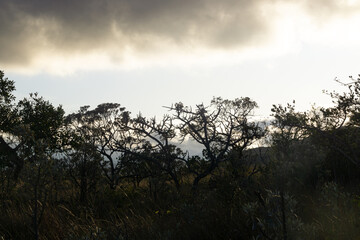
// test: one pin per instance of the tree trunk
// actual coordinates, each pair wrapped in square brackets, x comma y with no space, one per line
[283,216]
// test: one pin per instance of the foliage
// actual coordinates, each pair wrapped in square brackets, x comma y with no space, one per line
[102,174]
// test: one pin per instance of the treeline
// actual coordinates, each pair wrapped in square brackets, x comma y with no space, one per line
[104,174]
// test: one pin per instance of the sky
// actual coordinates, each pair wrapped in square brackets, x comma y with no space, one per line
[147,54]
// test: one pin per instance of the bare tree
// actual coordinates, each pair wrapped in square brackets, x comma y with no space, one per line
[220,127]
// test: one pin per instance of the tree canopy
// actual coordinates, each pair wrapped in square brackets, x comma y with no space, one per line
[103,173]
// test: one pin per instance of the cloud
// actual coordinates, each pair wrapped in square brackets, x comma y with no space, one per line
[323,10]
[53,30]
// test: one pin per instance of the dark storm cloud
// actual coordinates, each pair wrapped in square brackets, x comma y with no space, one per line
[28,28]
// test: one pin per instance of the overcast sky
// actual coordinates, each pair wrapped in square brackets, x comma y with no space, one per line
[145,54]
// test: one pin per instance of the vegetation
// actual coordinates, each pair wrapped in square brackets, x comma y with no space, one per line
[103,174]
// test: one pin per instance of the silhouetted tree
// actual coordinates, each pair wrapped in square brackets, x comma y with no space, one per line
[40,136]
[156,146]
[334,130]
[99,128]
[220,127]
[8,127]
[83,166]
